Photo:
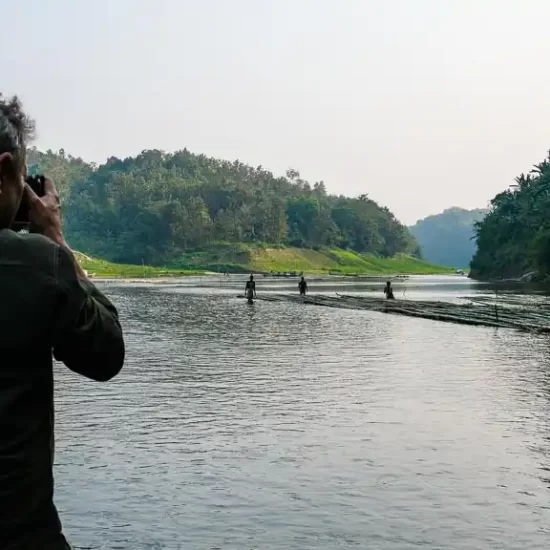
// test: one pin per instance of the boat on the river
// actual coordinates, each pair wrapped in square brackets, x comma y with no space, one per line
[286,274]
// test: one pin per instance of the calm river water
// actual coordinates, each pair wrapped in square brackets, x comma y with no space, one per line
[283,426]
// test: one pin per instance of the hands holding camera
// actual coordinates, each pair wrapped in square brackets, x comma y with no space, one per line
[45,212]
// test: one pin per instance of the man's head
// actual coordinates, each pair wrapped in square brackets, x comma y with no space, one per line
[251,277]
[16,130]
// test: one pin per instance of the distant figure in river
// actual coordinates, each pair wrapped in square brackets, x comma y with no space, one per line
[250,289]
[302,285]
[388,291]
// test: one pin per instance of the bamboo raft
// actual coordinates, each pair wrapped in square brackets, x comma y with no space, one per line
[512,312]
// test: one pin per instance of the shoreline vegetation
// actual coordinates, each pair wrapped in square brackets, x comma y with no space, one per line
[162,214]
[103,269]
[152,209]
[240,258]
[513,239]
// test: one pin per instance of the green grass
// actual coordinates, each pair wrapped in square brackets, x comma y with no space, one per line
[233,258]
[243,258]
[103,268]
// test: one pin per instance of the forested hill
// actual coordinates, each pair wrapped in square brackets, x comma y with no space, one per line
[514,238]
[448,238]
[153,207]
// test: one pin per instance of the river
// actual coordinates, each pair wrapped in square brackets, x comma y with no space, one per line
[283,426]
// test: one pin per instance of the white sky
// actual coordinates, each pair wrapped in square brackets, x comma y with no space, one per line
[422,104]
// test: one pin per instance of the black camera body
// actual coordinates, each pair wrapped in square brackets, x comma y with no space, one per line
[21,220]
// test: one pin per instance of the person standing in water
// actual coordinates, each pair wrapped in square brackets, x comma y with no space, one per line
[388,291]
[302,285]
[250,289]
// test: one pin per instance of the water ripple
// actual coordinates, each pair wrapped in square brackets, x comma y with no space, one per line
[286,427]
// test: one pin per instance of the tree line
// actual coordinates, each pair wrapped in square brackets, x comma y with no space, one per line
[514,238]
[154,206]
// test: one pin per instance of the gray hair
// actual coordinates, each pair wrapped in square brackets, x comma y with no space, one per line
[16,128]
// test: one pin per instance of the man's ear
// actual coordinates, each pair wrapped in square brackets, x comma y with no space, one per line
[7,167]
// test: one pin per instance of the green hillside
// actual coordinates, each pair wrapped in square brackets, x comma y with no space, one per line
[243,258]
[172,211]
[153,208]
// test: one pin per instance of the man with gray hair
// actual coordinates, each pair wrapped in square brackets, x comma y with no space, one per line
[48,306]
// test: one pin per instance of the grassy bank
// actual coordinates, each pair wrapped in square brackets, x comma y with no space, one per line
[103,268]
[242,258]
[237,258]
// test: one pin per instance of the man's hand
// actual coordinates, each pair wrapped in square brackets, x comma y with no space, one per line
[45,217]
[45,212]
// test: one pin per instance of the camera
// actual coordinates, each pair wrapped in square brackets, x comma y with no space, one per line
[21,220]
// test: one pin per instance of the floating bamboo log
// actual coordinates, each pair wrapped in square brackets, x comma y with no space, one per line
[508,312]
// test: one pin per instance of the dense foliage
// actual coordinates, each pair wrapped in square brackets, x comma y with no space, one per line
[63,169]
[514,238]
[448,238]
[153,207]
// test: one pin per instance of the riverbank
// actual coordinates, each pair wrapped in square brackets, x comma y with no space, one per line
[104,269]
[240,258]
[529,276]
[244,259]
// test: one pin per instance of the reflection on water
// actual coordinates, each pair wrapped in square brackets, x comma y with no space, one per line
[431,287]
[281,426]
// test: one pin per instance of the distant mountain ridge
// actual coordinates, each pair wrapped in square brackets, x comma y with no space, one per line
[448,238]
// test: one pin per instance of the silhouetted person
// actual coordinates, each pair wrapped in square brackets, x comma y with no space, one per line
[302,285]
[388,291]
[48,304]
[250,289]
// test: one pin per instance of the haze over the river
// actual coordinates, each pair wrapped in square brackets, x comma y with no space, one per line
[421,104]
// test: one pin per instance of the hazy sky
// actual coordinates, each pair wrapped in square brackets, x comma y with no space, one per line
[422,104]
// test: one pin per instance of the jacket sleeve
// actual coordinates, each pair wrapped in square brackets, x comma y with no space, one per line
[87,334]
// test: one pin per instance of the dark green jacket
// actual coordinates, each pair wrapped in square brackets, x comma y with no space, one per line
[44,307]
